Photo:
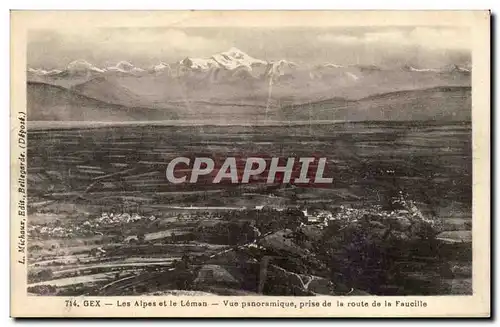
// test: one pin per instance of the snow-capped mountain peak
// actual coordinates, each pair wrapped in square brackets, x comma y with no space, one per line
[200,64]
[280,68]
[329,65]
[81,65]
[235,58]
[413,69]
[230,60]
[284,63]
[125,67]
[161,67]
[43,72]
[36,71]
[457,68]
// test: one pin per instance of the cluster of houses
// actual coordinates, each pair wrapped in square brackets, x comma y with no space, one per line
[87,228]
[91,227]
[318,217]
[51,231]
[120,218]
[62,231]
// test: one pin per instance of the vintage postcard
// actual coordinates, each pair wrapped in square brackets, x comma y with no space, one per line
[250,164]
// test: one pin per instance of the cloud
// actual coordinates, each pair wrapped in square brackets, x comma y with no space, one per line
[343,39]
[144,47]
[125,43]
[149,40]
[442,38]
[426,37]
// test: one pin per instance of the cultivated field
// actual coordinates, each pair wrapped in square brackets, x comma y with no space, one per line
[104,220]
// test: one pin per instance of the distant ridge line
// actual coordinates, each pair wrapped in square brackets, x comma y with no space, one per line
[383,94]
[430,89]
[85,97]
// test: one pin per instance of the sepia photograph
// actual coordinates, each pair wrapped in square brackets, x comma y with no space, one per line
[240,161]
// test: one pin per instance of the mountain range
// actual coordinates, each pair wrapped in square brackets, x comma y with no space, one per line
[233,85]
[233,60]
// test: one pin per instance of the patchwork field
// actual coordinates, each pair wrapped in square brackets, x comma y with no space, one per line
[103,219]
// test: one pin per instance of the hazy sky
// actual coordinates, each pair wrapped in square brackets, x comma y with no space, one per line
[419,46]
